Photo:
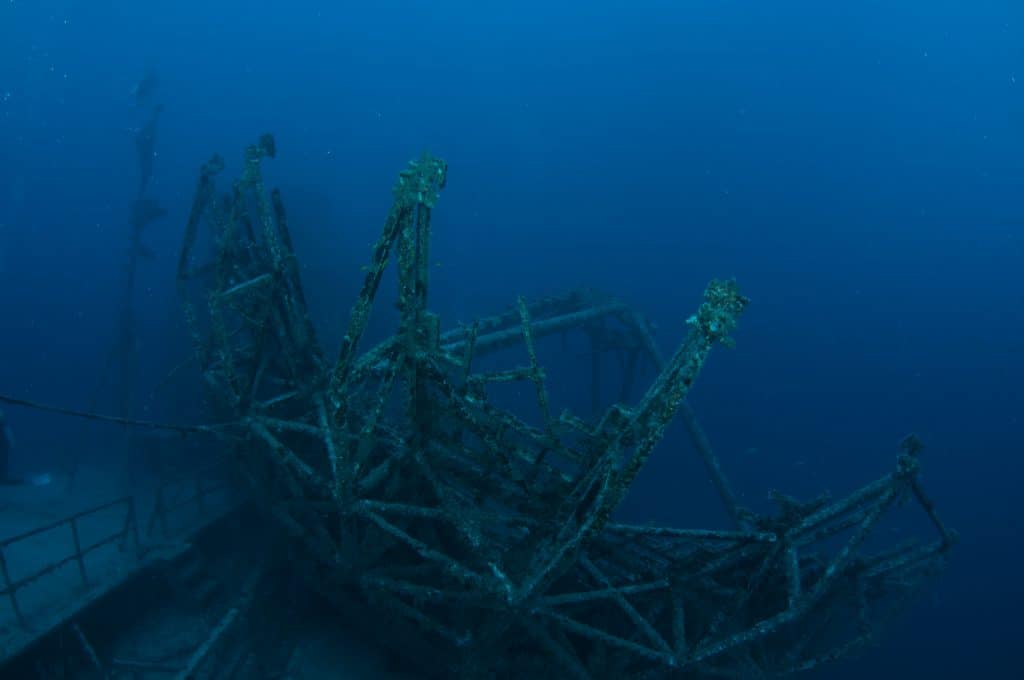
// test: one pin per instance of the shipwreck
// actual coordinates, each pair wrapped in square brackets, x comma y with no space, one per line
[483,545]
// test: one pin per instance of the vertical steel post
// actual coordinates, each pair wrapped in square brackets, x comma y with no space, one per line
[78,551]
[10,588]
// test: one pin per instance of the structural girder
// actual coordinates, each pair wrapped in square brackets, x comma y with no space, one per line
[490,536]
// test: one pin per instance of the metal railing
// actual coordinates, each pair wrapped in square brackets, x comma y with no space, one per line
[129,529]
[172,495]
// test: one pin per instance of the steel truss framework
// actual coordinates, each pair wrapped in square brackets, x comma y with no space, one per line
[487,540]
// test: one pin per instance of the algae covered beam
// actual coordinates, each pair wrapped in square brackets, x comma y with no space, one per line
[415,193]
[482,530]
[600,488]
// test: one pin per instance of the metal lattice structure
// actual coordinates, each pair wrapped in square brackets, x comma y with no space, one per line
[486,540]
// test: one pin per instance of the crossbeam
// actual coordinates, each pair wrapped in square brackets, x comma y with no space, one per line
[400,477]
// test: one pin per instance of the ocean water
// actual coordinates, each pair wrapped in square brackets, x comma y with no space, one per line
[857,167]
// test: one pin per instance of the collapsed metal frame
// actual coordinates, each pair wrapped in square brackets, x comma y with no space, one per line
[488,540]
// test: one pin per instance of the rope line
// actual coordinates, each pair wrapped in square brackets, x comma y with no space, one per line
[129,422]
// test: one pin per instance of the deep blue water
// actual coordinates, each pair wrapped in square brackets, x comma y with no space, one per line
[857,166]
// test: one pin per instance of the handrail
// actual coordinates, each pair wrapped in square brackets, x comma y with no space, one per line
[56,523]
[205,486]
[130,528]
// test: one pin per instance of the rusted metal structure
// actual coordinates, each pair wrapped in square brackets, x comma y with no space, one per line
[487,540]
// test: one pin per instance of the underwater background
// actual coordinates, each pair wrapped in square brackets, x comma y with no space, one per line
[857,167]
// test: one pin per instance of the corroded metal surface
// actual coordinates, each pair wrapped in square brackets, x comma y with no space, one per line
[484,540]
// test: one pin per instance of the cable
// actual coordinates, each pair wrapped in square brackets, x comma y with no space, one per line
[129,422]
